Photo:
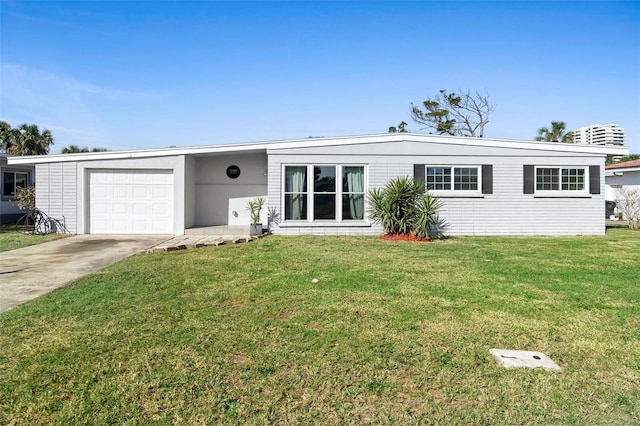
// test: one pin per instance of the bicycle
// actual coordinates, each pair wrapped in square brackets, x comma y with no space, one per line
[37,222]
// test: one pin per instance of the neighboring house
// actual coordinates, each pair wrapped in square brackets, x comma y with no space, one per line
[12,177]
[319,186]
[625,174]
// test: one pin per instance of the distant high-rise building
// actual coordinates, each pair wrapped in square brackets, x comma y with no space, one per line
[599,134]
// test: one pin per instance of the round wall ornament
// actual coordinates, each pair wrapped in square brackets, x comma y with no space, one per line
[233,171]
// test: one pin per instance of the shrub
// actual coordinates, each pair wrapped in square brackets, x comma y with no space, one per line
[25,197]
[403,206]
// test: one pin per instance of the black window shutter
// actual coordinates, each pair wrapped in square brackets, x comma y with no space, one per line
[529,179]
[594,179]
[418,172]
[487,179]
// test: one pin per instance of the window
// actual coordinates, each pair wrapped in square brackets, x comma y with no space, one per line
[547,179]
[295,193]
[452,178]
[12,181]
[439,178]
[465,179]
[324,192]
[353,193]
[573,179]
[560,179]
[336,193]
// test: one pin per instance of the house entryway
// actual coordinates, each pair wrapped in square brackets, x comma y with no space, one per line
[219,238]
[220,230]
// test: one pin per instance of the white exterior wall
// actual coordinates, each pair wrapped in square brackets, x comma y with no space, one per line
[190,192]
[202,191]
[213,189]
[616,178]
[619,178]
[62,189]
[56,192]
[508,211]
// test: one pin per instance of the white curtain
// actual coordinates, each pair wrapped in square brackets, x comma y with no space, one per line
[355,185]
[294,185]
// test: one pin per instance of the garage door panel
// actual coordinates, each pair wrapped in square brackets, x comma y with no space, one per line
[160,192]
[101,208]
[140,192]
[131,201]
[120,208]
[140,209]
[159,210]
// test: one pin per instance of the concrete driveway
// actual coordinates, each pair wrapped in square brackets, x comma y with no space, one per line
[32,271]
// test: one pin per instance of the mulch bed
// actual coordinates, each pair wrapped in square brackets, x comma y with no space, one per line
[404,237]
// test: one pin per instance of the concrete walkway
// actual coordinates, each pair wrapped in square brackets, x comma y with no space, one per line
[182,242]
[32,271]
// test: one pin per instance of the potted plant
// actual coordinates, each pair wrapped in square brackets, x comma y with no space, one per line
[255,207]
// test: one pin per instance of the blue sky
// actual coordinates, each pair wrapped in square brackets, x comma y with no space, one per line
[124,75]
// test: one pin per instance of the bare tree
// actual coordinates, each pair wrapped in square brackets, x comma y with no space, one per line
[628,203]
[463,114]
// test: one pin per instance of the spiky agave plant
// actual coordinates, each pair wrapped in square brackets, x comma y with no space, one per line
[403,207]
[427,223]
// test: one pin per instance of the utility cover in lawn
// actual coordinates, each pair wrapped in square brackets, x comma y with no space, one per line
[510,359]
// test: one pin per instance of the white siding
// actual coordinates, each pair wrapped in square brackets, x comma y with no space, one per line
[508,211]
[628,179]
[56,192]
[62,189]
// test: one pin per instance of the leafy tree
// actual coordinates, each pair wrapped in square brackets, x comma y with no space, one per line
[403,206]
[557,133]
[74,149]
[463,114]
[402,128]
[26,139]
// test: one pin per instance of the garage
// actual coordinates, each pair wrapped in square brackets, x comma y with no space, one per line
[130,201]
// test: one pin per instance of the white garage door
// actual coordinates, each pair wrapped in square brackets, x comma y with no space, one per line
[131,202]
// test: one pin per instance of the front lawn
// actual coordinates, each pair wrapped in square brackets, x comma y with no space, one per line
[392,332]
[10,239]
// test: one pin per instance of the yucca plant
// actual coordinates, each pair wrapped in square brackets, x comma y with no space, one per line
[427,223]
[403,207]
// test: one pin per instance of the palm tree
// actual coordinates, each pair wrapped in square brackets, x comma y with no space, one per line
[26,139]
[74,149]
[557,133]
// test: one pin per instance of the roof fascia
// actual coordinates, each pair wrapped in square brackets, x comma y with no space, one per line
[612,172]
[453,140]
[274,146]
[147,153]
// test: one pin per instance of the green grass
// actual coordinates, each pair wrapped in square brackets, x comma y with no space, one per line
[393,332]
[11,240]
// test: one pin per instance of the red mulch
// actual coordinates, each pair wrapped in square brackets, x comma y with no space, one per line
[404,237]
